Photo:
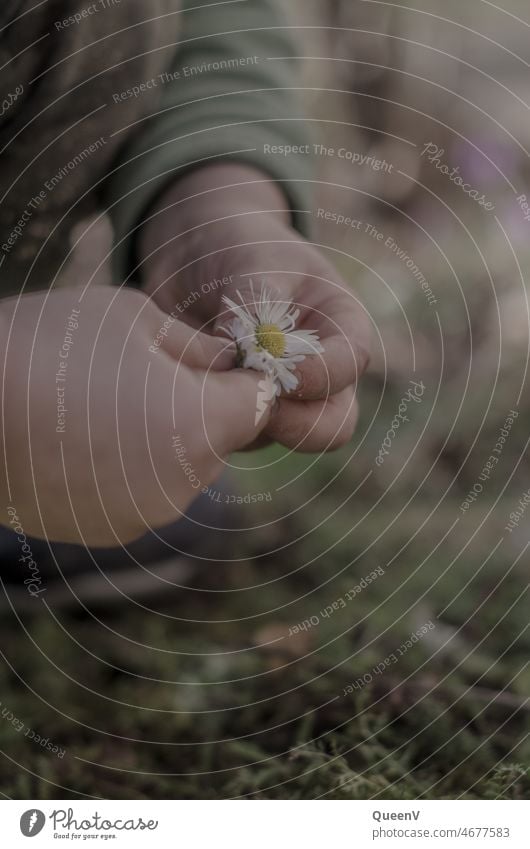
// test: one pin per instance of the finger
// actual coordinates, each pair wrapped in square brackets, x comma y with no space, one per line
[311,426]
[195,349]
[341,364]
[237,407]
[344,332]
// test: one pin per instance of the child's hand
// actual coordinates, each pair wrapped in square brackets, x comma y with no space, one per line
[103,437]
[246,242]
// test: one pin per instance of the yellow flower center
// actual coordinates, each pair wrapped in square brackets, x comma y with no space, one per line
[270,337]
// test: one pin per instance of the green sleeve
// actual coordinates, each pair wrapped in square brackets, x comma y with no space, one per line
[230,94]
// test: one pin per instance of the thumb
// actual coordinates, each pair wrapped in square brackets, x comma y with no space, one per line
[237,408]
[196,349]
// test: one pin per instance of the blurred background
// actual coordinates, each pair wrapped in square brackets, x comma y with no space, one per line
[230,687]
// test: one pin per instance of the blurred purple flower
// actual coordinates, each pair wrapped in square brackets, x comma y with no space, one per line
[474,164]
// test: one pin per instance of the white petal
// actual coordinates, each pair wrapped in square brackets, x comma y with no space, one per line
[258,360]
[302,342]
[279,312]
[266,310]
[240,311]
[287,380]
[287,323]
[291,360]
[238,330]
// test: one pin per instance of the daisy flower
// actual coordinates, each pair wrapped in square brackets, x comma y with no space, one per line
[266,339]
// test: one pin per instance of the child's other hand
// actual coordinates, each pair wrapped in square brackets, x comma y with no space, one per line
[233,234]
[111,428]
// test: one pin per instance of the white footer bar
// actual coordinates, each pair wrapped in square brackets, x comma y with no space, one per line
[267,824]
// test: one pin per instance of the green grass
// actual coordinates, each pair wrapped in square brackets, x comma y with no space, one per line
[187,705]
